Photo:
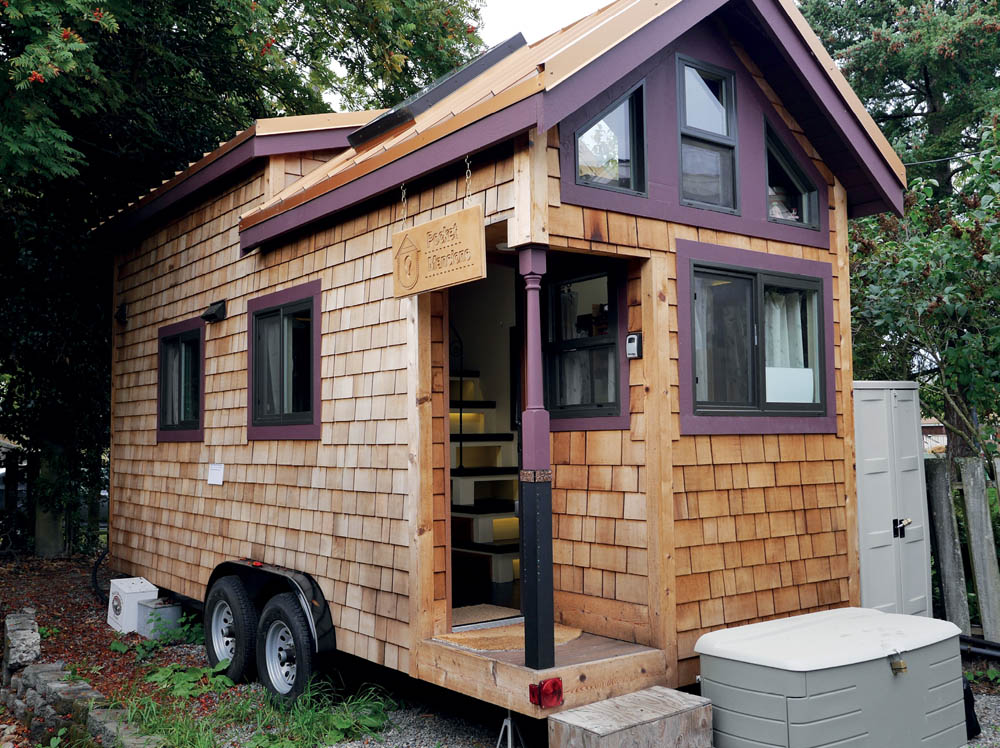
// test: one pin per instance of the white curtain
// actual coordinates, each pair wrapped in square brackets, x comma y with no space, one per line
[702,324]
[171,384]
[783,330]
[269,331]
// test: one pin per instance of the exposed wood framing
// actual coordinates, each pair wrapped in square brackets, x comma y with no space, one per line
[530,222]
[839,244]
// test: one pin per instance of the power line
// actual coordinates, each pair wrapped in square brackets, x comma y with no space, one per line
[956,157]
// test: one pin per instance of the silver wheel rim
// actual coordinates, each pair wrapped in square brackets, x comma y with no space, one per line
[279,651]
[223,631]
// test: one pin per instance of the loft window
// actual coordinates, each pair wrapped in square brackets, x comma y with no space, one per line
[180,381]
[610,149]
[582,367]
[708,135]
[283,365]
[756,342]
[791,196]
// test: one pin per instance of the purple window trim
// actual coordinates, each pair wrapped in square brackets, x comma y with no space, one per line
[662,199]
[622,421]
[182,435]
[689,252]
[313,290]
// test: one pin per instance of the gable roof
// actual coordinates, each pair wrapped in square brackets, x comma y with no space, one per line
[539,84]
[266,137]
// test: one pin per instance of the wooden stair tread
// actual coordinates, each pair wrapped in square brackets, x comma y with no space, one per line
[500,436]
[495,549]
[482,472]
[473,404]
[485,506]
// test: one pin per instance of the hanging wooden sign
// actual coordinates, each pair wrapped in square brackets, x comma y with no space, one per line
[440,253]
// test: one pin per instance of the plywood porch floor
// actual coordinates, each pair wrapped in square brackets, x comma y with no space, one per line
[592,668]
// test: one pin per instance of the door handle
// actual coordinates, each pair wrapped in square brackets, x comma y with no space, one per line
[899,527]
[904,522]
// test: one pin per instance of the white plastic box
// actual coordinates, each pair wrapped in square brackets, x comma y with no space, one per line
[847,677]
[123,602]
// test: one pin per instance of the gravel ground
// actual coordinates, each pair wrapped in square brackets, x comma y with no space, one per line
[988,711]
[415,727]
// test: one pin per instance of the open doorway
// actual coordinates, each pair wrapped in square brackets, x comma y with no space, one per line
[484,361]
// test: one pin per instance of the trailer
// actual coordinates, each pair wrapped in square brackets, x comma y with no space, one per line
[521,386]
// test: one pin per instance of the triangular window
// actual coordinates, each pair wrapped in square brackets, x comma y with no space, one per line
[610,149]
[791,196]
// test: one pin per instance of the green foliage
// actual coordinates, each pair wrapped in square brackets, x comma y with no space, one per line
[56,740]
[117,645]
[185,682]
[990,675]
[929,285]
[77,671]
[48,632]
[926,71]
[319,717]
[97,105]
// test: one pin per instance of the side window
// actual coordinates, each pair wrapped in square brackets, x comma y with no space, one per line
[791,196]
[284,364]
[707,109]
[180,381]
[756,342]
[582,346]
[610,149]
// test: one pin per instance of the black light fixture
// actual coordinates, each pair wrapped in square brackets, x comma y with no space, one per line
[121,314]
[216,312]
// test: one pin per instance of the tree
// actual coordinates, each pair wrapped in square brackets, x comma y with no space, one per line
[98,105]
[930,284]
[927,72]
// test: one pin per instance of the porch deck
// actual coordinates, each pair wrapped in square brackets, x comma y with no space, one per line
[592,668]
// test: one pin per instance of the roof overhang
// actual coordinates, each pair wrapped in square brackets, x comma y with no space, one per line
[774,34]
[266,137]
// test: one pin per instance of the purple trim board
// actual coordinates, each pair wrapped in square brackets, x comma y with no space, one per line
[662,198]
[689,252]
[313,290]
[481,134]
[182,435]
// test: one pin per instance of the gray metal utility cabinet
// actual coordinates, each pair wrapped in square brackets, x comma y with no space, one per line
[835,678]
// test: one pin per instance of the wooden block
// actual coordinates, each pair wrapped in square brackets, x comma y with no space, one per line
[656,716]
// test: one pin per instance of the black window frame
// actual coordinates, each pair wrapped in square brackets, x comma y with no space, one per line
[637,136]
[760,406]
[684,132]
[293,418]
[554,346]
[773,145]
[179,339]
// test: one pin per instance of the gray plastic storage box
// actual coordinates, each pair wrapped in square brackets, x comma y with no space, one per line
[849,677]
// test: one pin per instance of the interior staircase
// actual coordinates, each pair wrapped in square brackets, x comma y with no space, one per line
[485,532]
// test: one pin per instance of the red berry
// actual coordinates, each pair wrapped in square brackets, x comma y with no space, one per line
[66,33]
[470,29]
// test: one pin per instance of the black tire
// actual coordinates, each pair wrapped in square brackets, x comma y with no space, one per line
[231,628]
[285,647]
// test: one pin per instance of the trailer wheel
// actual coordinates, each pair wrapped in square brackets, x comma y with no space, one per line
[284,647]
[231,628]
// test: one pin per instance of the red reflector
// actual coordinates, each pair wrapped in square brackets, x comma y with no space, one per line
[256,563]
[546,694]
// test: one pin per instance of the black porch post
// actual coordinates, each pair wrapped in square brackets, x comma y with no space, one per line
[535,480]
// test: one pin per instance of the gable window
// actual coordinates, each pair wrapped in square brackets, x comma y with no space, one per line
[582,361]
[791,196]
[284,356]
[708,135]
[180,381]
[610,149]
[756,341]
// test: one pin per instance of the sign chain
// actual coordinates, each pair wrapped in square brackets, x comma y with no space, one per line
[402,188]
[468,179]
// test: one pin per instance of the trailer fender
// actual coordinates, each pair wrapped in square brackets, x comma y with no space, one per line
[263,581]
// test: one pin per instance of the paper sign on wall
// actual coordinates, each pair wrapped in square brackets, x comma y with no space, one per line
[440,253]
[215,473]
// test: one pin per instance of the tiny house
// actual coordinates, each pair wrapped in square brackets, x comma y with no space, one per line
[557,350]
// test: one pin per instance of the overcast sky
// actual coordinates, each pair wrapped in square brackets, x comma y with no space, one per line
[533,18]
